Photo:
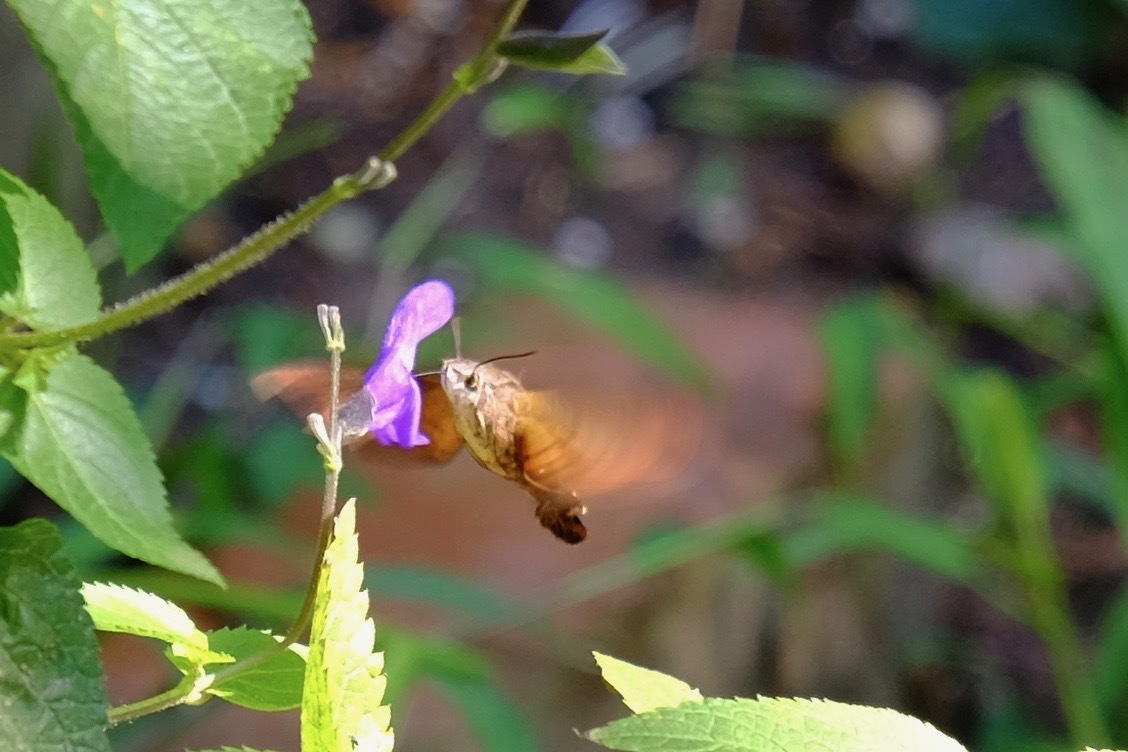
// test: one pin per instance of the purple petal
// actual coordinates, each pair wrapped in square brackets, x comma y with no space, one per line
[424,310]
[396,395]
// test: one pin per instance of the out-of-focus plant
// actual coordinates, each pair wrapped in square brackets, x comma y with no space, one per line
[1003,423]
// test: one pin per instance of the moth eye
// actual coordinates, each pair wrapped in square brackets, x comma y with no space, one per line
[472,381]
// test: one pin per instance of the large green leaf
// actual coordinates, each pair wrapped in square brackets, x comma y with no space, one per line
[344,680]
[51,686]
[46,278]
[274,684]
[169,100]
[1082,149]
[509,265]
[76,438]
[740,725]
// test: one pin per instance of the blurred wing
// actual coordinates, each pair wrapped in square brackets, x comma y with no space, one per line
[436,421]
[304,388]
[596,443]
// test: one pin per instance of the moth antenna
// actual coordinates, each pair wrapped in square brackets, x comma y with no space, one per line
[502,357]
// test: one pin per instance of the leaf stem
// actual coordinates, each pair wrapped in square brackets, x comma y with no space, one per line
[131,711]
[485,64]
[329,444]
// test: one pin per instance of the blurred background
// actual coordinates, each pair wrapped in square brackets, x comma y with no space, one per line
[881,243]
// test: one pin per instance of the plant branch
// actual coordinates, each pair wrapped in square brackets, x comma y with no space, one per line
[377,172]
[203,277]
[131,711]
[329,444]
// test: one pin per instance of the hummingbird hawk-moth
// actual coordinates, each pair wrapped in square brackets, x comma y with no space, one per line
[556,449]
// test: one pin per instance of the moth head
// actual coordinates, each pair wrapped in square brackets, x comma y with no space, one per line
[460,379]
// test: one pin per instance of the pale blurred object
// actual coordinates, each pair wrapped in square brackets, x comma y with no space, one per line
[347,232]
[582,242]
[623,122]
[889,135]
[886,19]
[977,250]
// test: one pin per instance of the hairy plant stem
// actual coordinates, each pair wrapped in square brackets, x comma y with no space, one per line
[131,711]
[330,446]
[377,172]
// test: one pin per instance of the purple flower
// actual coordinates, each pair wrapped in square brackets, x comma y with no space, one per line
[396,398]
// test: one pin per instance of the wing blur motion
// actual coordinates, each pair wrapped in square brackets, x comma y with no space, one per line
[596,443]
[304,388]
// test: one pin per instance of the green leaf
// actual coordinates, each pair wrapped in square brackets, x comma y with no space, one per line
[851,338]
[1113,401]
[230,749]
[1110,681]
[566,53]
[643,689]
[344,681]
[53,693]
[275,684]
[513,267]
[78,440]
[46,278]
[116,608]
[740,725]
[845,523]
[170,101]
[1001,446]
[1082,149]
